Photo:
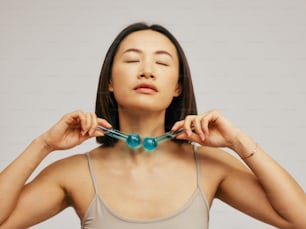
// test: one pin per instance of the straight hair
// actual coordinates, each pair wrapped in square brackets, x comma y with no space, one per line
[106,104]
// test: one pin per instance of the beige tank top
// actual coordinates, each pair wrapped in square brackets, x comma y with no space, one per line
[194,214]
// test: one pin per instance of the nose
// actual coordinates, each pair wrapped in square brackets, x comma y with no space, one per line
[146,71]
[146,75]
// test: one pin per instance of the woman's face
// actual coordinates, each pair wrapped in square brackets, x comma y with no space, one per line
[145,72]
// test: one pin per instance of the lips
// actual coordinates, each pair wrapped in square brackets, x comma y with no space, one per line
[146,88]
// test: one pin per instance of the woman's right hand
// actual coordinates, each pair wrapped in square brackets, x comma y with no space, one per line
[73,129]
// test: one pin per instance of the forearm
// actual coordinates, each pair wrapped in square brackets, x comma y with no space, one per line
[14,177]
[285,195]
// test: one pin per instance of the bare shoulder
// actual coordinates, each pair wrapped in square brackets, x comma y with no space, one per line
[219,159]
[67,173]
[216,164]
[72,175]
[67,165]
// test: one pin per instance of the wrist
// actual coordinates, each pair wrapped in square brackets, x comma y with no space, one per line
[243,145]
[44,147]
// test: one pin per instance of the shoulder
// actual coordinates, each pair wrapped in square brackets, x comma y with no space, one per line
[217,165]
[66,163]
[64,170]
[219,158]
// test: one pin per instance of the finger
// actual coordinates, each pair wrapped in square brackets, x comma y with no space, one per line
[98,122]
[193,137]
[103,122]
[88,122]
[197,126]
[207,120]
[73,118]
[93,124]
[182,136]
[188,124]
[76,119]
[178,125]
[204,125]
[85,121]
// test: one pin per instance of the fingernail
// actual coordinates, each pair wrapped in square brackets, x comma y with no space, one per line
[91,132]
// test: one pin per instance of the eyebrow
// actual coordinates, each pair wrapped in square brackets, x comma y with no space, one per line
[159,52]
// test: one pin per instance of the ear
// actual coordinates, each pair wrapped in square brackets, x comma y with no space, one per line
[177,91]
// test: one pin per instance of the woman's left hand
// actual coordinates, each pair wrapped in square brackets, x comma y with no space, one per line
[209,129]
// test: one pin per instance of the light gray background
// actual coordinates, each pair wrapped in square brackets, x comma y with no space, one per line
[248,60]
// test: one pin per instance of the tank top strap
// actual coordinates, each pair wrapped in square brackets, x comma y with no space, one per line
[92,173]
[197,160]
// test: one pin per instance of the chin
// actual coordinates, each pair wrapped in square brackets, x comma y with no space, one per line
[144,108]
[144,104]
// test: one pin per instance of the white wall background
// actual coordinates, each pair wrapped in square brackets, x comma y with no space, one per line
[248,60]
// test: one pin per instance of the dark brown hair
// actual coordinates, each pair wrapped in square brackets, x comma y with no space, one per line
[106,105]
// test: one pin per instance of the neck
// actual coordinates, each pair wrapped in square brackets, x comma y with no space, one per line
[149,124]
[146,124]
[139,157]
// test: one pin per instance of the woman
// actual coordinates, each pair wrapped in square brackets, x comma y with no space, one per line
[145,88]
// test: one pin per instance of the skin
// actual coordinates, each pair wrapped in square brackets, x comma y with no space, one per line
[257,190]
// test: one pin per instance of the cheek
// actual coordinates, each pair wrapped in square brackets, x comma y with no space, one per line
[171,83]
[116,71]
[120,84]
[121,78]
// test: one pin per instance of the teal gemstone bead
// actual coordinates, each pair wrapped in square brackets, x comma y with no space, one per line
[149,144]
[133,141]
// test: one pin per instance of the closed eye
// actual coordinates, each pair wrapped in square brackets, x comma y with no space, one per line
[162,63]
[132,61]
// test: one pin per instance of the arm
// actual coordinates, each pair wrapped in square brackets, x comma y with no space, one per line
[13,178]
[17,198]
[267,192]
[279,192]
[38,200]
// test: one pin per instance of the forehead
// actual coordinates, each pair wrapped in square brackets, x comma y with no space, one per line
[147,40]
